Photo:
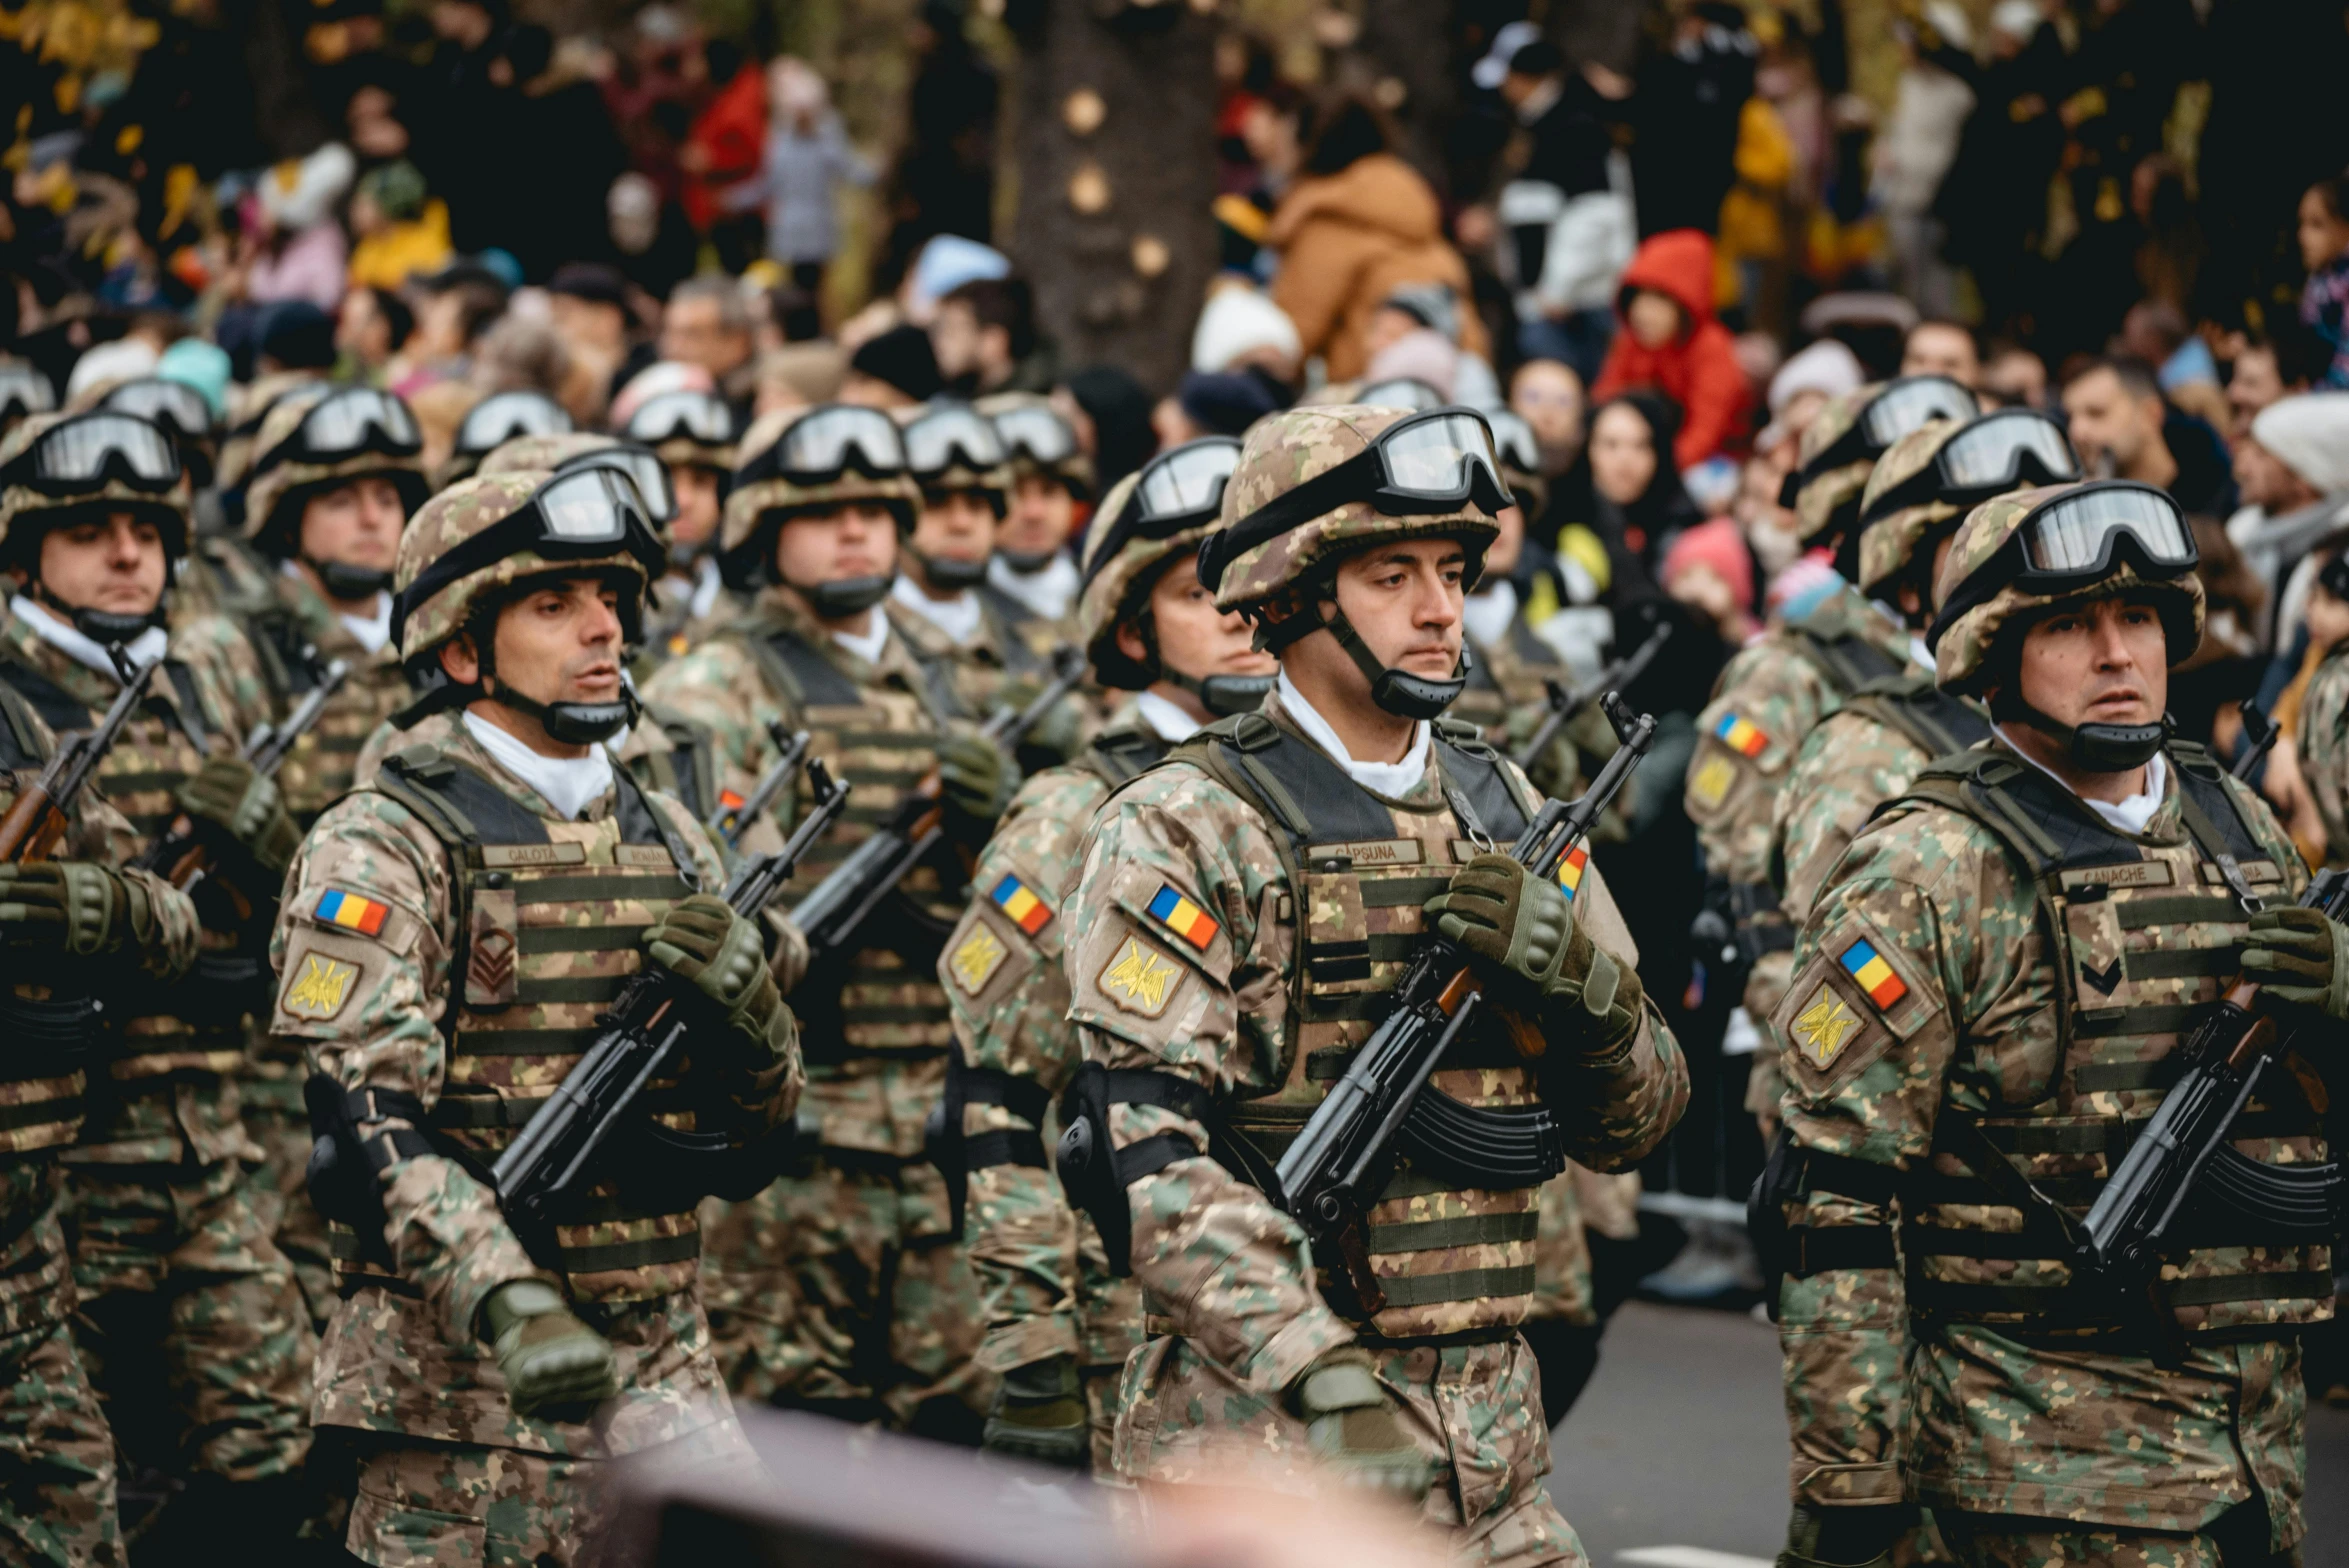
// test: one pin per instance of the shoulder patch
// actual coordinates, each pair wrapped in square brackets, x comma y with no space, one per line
[1741,735]
[1823,1026]
[1709,785]
[1571,870]
[976,959]
[1171,909]
[350,911]
[319,987]
[1021,905]
[1140,979]
[1875,975]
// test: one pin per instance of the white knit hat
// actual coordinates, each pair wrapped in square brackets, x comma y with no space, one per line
[1238,320]
[2309,434]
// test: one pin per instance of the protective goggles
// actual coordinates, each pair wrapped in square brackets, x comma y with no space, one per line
[1178,489]
[1401,392]
[585,515]
[79,456]
[1420,466]
[347,424]
[2074,539]
[699,417]
[176,406]
[24,390]
[640,467]
[1037,434]
[502,416]
[951,438]
[1989,456]
[1908,404]
[1513,441]
[825,443]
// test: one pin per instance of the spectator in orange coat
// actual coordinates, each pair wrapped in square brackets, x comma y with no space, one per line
[1670,341]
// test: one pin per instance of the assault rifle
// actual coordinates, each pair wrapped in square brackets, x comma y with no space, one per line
[729,820]
[2185,1152]
[552,1157]
[179,856]
[837,907]
[1344,1157]
[2259,733]
[1565,704]
[36,823]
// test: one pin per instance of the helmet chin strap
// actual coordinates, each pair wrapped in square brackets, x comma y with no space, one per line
[346,583]
[2092,748]
[1026,562]
[566,723]
[104,627]
[1398,692]
[844,597]
[1221,695]
[946,573]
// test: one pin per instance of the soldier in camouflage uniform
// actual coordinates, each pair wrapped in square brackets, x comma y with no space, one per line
[1059,1323]
[499,420]
[1241,909]
[1988,1003]
[334,482]
[844,1287]
[57,1471]
[2322,738]
[451,932]
[1051,486]
[1773,690]
[692,433]
[1866,752]
[190,1318]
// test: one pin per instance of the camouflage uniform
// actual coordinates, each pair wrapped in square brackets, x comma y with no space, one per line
[2323,740]
[1991,987]
[1210,946]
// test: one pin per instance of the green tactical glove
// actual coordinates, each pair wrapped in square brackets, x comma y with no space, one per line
[2297,955]
[1520,926]
[1844,1537]
[979,779]
[246,806]
[555,1366]
[1060,734]
[1039,1414]
[77,905]
[704,941]
[1350,1423]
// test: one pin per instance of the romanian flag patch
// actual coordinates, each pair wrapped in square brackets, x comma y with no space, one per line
[729,801]
[1863,963]
[364,915]
[1016,899]
[1740,736]
[1570,871]
[1184,918]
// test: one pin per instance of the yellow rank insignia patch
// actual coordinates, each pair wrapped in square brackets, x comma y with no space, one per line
[1140,979]
[976,960]
[1709,785]
[1822,1029]
[320,988]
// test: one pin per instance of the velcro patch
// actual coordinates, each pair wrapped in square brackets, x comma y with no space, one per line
[1020,904]
[1741,735]
[318,986]
[1140,979]
[1823,1027]
[974,961]
[351,912]
[1171,909]
[1709,785]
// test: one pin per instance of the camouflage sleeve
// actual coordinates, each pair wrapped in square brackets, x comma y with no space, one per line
[2323,742]
[98,832]
[1008,996]
[1765,703]
[1206,1002]
[228,673]
[366,1009]
[1615,1108]
[1920,935]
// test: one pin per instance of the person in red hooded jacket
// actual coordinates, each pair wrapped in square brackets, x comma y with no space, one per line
[1667,339]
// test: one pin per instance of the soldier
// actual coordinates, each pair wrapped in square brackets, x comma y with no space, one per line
[692,433]
[1241,910]
[843,1287]
[452,931]
[73,929]
[1059,1324]
[191,1321]
[1772,691]
[1051,484]
[1866,752]
[2322,738]
[495,420]
[1988,1001]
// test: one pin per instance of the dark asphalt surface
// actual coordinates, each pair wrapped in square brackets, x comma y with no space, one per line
[1680,1441]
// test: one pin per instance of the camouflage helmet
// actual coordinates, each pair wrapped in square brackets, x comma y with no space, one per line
[1038,441]
[1935,474]
[685,428]
[247,409]
[1890,543]
[495,420]
[284,479]
[763,495]
[574,448]
[1851,432]
[461,512]
[27,512]
[1131,542]
[1971,647]
[1818,498]
[1283,451]
[963,468]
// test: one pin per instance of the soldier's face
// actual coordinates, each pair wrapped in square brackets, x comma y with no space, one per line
[696,489]
[1194,637]
[113,563]
[856,540]
[2102,662]
[1404,599]
[559,641]
[1042,516]
[356,524]
[955,525]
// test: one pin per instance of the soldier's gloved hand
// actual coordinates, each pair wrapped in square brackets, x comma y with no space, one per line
[978,779]
[1519,926]
[1039,1414]
[246,805]
[1350,1423]
[704,941]
[1060,734]
[2299,956]
[554,1365]
[1843,1537]
[77,905]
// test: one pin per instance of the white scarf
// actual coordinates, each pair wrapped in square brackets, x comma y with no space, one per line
[143,650]
[957,617]
[867,644]
[2127,816]
[1490,612]
[1391,779]
[570,784]
[1169,720]
[372,630]
[1048,593]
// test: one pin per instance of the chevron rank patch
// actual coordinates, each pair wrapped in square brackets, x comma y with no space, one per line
[1140,979]
[975,961]
[319,987]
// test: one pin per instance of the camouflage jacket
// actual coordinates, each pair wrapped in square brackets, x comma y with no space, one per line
[363,954]
[2323,739]
[325,762]
[1925,1001]
[1184,958]
[968,677]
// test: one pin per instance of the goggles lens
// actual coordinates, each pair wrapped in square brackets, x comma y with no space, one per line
[695,416]
[640,468]
[1437,457]
[1187,481]
[1991,451]
[1407,392]
[828,442]
[937,442]
[2075,533]
[1038,434]
[172,404]
[350,421]
[1910,405]
[502,416]
[26,390]
[82,451]
[1513,440]
[591,506]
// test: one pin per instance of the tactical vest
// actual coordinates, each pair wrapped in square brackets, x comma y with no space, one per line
[1451,1259]
[1845,663]
[49,1022]
[888,1001]
[1941,723]
[2141,936]
[319,770]
[1118,755]
[548,931]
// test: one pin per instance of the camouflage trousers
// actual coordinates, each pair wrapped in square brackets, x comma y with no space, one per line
[57,1478]
[280,1128]
[1109,1328]
[2237,1539]
[841,1289]
[1474,1409]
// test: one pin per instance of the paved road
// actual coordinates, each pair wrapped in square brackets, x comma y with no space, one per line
[1679,1442]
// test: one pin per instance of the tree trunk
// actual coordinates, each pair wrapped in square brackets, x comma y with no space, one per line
[1113,149]
[1403,59]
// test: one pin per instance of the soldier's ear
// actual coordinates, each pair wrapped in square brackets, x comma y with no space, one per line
[460,660]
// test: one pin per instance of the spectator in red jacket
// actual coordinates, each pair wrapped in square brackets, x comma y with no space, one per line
[722,153]
[1670,341]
